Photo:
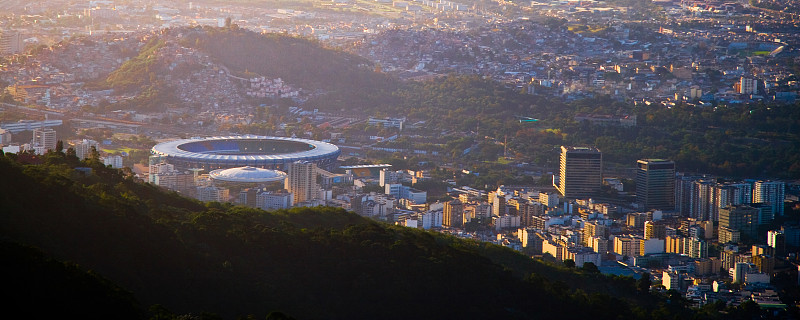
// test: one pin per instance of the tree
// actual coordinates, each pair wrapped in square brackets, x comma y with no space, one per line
[590,267]
[748,309]
[569,263]
[159,312]
[71,153]
[94,154]
[60,146]
[644,283]
[275,315]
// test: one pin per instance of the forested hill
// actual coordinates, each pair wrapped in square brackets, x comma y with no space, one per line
[300,62]
[310,263]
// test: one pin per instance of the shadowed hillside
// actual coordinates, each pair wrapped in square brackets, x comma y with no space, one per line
[310,263]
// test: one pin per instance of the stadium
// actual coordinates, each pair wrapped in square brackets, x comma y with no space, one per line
[239,151]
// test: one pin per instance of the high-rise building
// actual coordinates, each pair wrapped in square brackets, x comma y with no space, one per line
[158,166]
[301,181]
[739,270]
[727,194]
[598,244]
[274,200]
[792,235]
[5,137]
[770,192]
[765,263]
[741,218]
[387,176]
[777,240]
[765,213]
[498,199]
[115,161]
[594,229]
[531,237]
[10,42]
[702,204]
[671,280]
[654,230]
[748,85]
[743,192]
[702,197]
[683,190]
[212,193]
[729,256]
[675,244]
[626,246]
[549,199]
[650,246]
[84,148]
[527,210]
[706,266]
[635,219]
[581,172]
[655,184]
[453,213]
[431,219]
[399,191]
[248,196]
[696,248]
[44,137]
[728,235]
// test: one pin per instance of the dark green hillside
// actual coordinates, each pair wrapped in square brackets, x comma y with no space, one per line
[299,62]
[138,71]
[140,75]
[310,263]
[41,288]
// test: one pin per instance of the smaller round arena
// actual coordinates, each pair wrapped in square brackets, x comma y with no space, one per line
[248,175]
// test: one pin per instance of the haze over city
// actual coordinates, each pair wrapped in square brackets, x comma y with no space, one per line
[366,159]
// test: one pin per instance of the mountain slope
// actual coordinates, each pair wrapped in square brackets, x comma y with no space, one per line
[310,263]
[299,62]
[38,287]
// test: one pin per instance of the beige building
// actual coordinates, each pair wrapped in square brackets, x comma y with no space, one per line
[44,137]
[675,244]
[593,229]
[302,181]
[598,244]
[703,267]
[212,193]
[626,246]
[653,230]
[671,280]
[453,213]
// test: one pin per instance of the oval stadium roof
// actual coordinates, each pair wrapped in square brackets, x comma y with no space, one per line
[316,150]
